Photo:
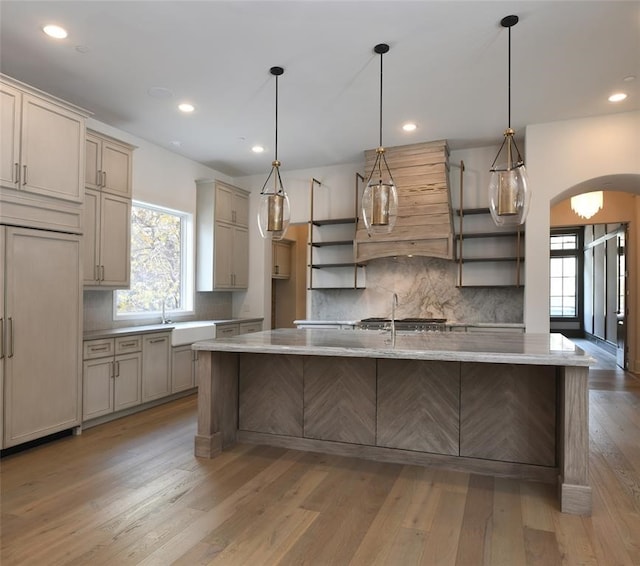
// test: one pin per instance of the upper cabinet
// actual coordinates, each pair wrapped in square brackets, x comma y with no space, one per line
[107,212]
[108,165]
[41,159]
[222,220]
[231,205]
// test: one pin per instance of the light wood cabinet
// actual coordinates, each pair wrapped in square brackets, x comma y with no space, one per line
[183,360]
[41,159]
[156,366]
[112,375]
[222,237]
[232,205]
[249,327]
[281,260]
[41,333]
[108,165]
[107,240]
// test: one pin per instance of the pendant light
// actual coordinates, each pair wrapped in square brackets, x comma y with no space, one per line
[380,197]
[509,194]
[587,204]
[274,212]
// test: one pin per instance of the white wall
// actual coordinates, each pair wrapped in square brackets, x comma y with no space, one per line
[159,176]
[559,156]
[257,300]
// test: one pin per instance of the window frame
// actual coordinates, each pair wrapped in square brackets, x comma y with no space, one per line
[187,253]
[578,253]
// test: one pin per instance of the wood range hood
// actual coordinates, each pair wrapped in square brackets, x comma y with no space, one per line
[424,226]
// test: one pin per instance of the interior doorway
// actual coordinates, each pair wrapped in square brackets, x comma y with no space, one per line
[289,282]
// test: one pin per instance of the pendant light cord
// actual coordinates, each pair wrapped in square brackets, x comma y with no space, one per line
[276,145]
[381,55]
[509,82]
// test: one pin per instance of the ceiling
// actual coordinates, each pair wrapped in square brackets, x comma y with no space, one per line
[446,70]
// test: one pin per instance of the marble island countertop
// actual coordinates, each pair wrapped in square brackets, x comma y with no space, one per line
[521,348]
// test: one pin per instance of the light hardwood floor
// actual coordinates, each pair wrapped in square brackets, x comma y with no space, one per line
[131,492]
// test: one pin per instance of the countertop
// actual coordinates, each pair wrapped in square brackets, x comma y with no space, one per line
[488,347]
[148,328]
[448,324]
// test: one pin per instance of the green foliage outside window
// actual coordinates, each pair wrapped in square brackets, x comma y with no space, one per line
[156,262]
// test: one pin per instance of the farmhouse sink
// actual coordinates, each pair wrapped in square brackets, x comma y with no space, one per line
[192,331]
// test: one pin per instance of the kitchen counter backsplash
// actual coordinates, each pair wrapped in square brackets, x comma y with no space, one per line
[98,310]
[426,287]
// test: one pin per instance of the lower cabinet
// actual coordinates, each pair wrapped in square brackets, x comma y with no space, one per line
[156,366]
[183,362]
[112,375]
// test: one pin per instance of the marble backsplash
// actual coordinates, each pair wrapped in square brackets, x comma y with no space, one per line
[98,310]
[426,287]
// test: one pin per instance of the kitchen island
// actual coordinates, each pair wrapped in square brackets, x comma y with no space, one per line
[510,405]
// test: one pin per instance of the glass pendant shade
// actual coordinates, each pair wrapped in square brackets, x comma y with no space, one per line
[509,193]
[274,215]
[587,204]
[380,199]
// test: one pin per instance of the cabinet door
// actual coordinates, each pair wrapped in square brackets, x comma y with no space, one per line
[91,237]
[240,258]
[2,337]
[224,203]
[241,209]
[52,150]
[9,136]
[43,363]
[281,255]
[182,368]
[156,360]
[92,163]
[97,391]
[116,169]
[223,256]
[127,381]
[115,240]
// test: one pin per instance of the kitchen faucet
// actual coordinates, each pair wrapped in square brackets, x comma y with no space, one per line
[165,320]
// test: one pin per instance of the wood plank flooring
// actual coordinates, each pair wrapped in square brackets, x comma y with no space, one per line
[131,492]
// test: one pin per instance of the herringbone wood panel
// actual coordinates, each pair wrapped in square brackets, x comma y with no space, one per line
[502,403]
[340,399]
[418,407]
[271,394]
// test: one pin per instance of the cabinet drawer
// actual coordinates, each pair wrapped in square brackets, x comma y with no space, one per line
[247,327]
[226,330]
[128,344]
[98,348]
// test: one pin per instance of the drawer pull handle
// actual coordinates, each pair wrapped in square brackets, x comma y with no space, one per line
[156,340]
[24,174]
[128,344]
[99,348]
[10,354]
[17,173]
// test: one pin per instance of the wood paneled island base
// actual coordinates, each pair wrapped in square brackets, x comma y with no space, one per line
[510,406]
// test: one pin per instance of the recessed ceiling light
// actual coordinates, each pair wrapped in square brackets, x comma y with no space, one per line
[409,127]
[617,97]
[55,31]
[257,149]
[175,143]
[186,107]
[159,92]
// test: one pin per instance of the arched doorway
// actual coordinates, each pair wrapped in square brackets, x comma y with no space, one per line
[609,279]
